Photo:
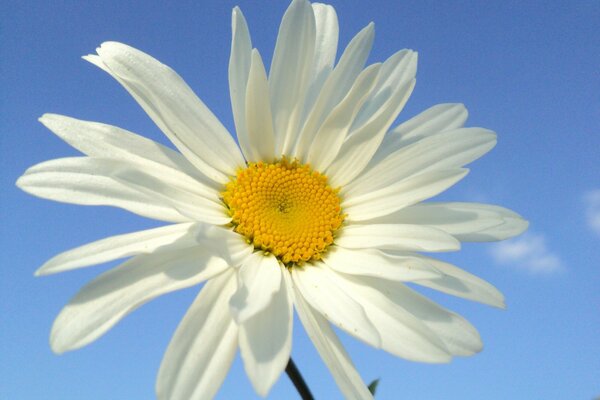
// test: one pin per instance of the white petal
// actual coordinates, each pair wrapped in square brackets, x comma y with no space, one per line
[457,334]
[335,87]
[239,68]
[259,279]
[290,70]
[396,237]
[174,107]
[319,286]
[203,347]
[331,351]
[266,339]
[395,72]
[110,297]
[372,262]
[468,222]
[105,141]
[167,237]
[185,198]
[89,181]
[439,118]
[446,150]
[392,198]
[362,143]
[326,41]
[259,121]
[457,282]
[402,333]
[333,132]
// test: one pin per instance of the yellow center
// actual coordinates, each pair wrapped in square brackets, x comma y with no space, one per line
[284,208]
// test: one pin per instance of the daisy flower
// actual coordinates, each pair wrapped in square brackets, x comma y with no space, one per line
[317,208]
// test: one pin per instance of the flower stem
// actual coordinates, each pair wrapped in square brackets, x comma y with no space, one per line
[298,381]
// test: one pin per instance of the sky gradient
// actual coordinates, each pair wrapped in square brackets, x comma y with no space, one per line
[528,70]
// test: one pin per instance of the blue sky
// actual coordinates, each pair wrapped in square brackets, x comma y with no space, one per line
[527,70]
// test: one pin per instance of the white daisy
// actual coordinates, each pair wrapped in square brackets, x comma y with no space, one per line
[318,209]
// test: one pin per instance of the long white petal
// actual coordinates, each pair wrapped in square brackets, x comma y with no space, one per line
[363,142]
[395,72]
[105,141]
[331,351]
[189,202]
[334,130]
[373,262]
[326,41]
[402,333]
[456,333]
[436,119]
[446,150]
[259,280]
[266,339]
[107,299]
[468,222]
[397,237]
[392,198]
[336,86]
[174,107]
[111,248]
[290,70]
[259,120]
[321,290]
[89,181]
[457,282]
[239,68]
[203,346]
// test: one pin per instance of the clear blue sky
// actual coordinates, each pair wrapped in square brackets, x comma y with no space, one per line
[528,70]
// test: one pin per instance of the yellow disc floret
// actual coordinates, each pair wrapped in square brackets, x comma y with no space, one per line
[284,208]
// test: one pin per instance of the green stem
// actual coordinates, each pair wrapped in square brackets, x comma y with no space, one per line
[298,381]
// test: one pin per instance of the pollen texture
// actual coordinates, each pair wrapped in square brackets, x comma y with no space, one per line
[284,208]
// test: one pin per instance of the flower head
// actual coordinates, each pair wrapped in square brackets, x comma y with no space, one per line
[320,209]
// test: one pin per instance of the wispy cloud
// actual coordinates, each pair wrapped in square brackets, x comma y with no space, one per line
[528,252]
[592,209]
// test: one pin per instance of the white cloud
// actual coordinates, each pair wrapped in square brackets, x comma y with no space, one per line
[528,252]
[592,211]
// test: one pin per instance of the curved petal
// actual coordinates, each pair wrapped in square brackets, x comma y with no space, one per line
[331,351]
[168,237]
[259,279]
[259,121]
[362,143]
[373,262]
[203,346]
[174,107]
[395,72]
[89,181]
[239,69]
[335,87]
[402,333]
[110,297]
[396,237]
[414,189]
[266,339]
[468,222]
[333,132]
[458,282]
[174,191]
[459,337]
[105,141]
[395,84]
[290,70]
[436,119]
[446,150]
[320,288]
[326,41]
